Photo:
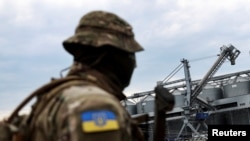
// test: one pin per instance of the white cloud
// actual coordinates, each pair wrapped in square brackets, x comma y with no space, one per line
[32,32]
[188,17]
[22,12]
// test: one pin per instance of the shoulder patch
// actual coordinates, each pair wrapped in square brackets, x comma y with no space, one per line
[99,121]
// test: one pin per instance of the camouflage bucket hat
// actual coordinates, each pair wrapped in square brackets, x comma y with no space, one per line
[101,28]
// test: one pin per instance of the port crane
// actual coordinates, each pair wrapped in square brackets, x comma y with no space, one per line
[227,52]
[191,97]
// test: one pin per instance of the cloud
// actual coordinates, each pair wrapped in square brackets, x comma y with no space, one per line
[194,17]
[32,32]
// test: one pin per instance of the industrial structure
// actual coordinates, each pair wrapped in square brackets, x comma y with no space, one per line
[223,99]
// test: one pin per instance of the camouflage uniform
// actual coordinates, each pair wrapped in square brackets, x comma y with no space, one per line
[85,105]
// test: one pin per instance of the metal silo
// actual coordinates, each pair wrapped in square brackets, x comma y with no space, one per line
[179,96]
[130,107]
[212,94]
[146,104]
[236,89]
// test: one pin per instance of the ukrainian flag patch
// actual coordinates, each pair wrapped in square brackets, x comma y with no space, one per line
[98,121]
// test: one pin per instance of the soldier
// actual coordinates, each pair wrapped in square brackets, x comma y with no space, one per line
[85,105]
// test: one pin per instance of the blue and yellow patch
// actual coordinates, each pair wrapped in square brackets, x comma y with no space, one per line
[98,121]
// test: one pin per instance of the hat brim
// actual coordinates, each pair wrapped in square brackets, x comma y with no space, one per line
[99,39]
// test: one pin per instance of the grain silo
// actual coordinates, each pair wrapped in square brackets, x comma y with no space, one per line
[146,104]
[130,106]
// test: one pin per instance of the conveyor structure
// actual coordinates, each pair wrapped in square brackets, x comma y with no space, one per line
[194,106]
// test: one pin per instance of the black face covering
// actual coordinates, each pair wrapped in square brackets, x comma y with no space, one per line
[116,64]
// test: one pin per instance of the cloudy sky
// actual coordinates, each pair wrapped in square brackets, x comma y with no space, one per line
[32,31]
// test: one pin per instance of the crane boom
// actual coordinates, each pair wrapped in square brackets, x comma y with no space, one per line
[230,53]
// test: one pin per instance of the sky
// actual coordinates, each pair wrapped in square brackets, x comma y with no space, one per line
[32,31]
